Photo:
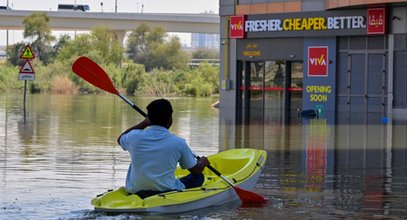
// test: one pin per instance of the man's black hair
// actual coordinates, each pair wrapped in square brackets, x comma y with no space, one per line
[159,112]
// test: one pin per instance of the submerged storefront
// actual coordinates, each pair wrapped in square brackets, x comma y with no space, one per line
[349,66]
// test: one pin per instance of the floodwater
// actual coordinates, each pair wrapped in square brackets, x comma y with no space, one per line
[64,153]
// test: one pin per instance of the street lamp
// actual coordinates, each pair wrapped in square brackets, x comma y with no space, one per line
[115,6]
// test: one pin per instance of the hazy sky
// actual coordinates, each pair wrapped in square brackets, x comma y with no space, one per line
[162,6]
[150,6]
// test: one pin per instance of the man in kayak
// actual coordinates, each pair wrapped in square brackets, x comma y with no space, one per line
[155,153]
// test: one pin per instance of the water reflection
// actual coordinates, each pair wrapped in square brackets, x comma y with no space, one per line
[66,152]
[51,166]
[340,170]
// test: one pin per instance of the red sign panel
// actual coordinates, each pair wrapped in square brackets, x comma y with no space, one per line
[318,61]
[376,21]
[237,26]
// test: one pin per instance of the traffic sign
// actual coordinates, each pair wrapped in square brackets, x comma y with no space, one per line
[26,72]
[27,54]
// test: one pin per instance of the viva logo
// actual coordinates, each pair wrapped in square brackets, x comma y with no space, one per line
[321,61]
[238,26]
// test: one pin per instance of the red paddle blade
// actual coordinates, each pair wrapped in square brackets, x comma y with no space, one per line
[248,197]
[90,71]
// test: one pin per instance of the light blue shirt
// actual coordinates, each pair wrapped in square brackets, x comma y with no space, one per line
[155,153]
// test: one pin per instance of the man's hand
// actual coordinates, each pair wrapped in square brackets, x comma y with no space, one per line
[145,123]
[200,165]
[204,161]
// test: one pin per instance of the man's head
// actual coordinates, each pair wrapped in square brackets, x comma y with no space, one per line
[160,113]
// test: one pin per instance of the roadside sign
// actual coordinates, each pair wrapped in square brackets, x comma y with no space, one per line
[27,54]
[26,72]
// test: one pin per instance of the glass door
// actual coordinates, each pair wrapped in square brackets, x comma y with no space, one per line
[270,92]
[295,90]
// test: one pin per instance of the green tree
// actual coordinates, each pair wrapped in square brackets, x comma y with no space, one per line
[200,81]
[167,56]
[105,42]
[100,45]
[148,47]
[132,76]
[61,43]
[135,45]
[14,52]
[36,27]
[80,46]
[204,53]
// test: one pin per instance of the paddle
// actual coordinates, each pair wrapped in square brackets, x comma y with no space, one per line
[90,71]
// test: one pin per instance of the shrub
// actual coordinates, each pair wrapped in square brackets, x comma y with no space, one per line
[9,78]
[159,83]
[132,76]
[63,85]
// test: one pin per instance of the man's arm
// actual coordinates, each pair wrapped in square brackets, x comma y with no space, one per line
[200,165]
[140,126]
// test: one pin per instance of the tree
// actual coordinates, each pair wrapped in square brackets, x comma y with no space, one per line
[61,43]
[148,47]
[100,45]
[104,40]
[132,76]
[14,52]
[140,42]
[167,56]
[36,27]
[203,53]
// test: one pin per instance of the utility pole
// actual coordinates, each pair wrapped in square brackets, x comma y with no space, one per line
[115,6]
[7,37]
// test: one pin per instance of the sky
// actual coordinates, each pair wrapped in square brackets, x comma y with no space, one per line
[132,6]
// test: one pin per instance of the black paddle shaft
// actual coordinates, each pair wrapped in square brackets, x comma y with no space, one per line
[211,168]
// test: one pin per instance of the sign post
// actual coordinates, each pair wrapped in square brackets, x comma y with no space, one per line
[26,72]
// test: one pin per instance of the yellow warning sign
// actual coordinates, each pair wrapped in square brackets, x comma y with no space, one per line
[27,54]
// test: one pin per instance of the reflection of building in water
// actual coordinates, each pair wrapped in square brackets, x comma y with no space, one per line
[360,167]
[316,134]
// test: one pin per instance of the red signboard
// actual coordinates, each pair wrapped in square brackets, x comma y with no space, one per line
[318,61]
[237,26]
[376,21]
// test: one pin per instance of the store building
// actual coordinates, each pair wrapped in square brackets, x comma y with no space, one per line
[345,60]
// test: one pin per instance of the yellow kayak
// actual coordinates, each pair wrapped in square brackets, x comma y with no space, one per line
[241,166]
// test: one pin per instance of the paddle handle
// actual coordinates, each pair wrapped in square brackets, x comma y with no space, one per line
[132,105]
[211,168]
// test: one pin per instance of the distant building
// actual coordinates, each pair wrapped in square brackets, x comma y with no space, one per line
[201,40]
